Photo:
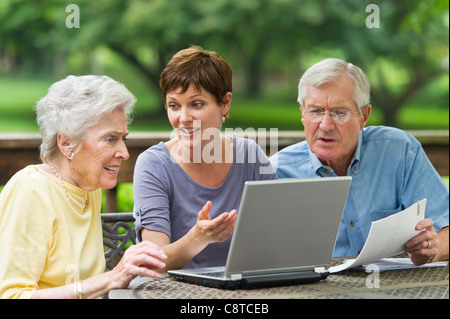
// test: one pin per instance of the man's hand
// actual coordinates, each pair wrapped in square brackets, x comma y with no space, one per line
[423,248]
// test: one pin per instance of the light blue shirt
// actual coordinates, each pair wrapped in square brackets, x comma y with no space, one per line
[390,171]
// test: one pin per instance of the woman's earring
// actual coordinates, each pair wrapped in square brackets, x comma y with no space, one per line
[71,156]
[223,118]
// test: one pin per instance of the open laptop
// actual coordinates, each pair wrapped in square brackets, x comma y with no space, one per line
[285,234]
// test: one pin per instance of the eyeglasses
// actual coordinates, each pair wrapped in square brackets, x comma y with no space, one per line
[338,115]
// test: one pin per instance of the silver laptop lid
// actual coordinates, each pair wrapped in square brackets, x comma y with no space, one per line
[287,225]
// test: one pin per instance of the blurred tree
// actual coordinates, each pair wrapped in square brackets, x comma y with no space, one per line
[401,56]
[24,37]
[148,33]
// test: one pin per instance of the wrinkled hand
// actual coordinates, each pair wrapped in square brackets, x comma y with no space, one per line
[140,259]
[423,247]
[217,229]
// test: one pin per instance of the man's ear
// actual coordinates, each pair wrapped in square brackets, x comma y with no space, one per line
[301,110]
[365,113]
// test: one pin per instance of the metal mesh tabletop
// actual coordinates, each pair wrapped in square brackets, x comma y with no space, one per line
[421,283]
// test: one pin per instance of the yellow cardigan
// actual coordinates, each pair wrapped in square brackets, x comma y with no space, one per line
[45,242]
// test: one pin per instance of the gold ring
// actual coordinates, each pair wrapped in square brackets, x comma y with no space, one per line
[428,243]
[138,271]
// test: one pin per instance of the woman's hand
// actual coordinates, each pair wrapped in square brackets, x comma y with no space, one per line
[204,232]
[214,230]
[140,259]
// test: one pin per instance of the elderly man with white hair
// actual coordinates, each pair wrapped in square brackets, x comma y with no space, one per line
[389,168]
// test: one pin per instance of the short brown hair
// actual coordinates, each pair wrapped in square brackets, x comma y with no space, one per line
[204,69]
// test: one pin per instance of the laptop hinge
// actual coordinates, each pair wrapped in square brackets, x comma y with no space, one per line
[236,276]
[278,271]
[319,269]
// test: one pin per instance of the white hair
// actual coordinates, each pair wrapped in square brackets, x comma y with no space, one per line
[330,70]
[75,104]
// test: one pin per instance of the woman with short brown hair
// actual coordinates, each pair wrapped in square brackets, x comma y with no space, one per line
[187,190]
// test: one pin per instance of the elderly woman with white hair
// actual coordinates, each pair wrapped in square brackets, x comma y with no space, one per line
[50,227]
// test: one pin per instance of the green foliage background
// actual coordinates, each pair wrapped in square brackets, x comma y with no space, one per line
[269,44]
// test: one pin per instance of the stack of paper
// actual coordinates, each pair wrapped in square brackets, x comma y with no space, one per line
[387,237]
[385,264]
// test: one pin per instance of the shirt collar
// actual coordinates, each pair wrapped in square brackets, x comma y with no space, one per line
[315,162]
[318,166]
[357,154]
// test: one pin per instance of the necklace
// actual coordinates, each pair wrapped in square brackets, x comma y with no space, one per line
[67,192]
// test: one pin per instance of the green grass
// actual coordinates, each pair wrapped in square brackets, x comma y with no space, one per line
[418,118]
[18,99]
[19,96]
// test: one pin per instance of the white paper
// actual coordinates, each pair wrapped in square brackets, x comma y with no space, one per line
[388,236]
[397,263]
